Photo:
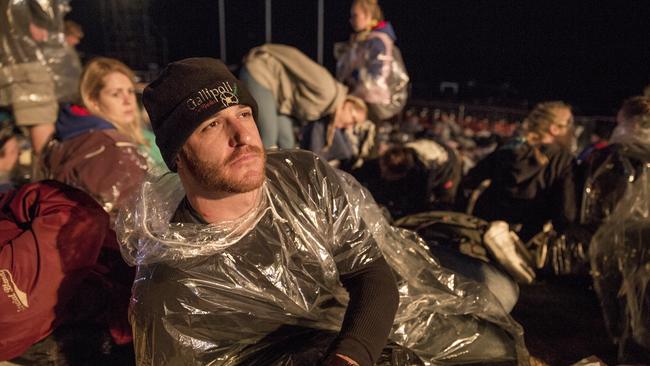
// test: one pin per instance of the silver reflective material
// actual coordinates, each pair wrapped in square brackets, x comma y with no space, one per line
[222,294]
[620,252]
[378,79]
[17,48]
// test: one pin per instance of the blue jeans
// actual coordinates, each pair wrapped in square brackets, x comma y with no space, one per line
[275,129]
[504,288]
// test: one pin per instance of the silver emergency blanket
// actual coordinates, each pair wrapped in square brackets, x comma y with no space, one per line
[357,67]
[18,48]
[620,253]
[265,289]
[65,66]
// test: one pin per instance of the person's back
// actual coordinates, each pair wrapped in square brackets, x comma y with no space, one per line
[522,191]
[397,181]
[609,173]
[288,86]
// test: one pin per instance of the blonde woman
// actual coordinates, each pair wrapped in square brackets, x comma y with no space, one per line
[532,177]
[370,64]
[97,146]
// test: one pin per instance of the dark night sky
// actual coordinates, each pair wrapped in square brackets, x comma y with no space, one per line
[591,54]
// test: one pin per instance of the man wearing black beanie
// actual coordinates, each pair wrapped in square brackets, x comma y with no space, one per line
[204,122]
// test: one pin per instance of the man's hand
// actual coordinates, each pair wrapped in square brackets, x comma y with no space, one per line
[340,360]
[38,34]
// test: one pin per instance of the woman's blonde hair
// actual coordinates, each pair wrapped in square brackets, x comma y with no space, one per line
[358,105]
[372,8]
[538,123]
[92,82]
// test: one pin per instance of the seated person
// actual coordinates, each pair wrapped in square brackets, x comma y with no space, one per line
[253,257]
[99,148]
[531,176]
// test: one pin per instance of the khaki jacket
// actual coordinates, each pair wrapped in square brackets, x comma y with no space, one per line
[303,89]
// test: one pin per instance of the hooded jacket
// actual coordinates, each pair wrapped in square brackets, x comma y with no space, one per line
[522,190]
[88,153]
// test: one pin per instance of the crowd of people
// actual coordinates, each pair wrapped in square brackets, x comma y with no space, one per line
[286,217]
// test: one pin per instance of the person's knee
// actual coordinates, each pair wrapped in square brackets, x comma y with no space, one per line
[504,288]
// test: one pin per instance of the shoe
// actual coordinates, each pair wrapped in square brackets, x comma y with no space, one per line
[503,244]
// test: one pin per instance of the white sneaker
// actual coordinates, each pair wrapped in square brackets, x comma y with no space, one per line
[502,243]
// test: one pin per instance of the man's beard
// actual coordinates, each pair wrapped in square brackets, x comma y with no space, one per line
[214,176]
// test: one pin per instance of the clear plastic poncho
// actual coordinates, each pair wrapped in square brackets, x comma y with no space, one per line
[620,250]
[225,294]
[17,47]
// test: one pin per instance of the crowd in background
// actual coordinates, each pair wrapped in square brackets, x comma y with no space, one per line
[71,156]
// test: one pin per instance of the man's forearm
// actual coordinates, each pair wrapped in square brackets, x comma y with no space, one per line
[370,313]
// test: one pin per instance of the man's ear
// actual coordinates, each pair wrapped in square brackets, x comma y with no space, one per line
[553,130]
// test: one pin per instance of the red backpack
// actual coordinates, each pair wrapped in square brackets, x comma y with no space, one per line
[51,238]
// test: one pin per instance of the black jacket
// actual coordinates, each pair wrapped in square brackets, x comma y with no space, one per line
[524,191]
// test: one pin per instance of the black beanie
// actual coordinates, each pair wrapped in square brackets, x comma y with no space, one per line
[186,94]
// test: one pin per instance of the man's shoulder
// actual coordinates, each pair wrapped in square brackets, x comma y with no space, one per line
[295,159]
[298,168]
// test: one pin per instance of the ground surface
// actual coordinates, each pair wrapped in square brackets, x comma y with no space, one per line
[562,322]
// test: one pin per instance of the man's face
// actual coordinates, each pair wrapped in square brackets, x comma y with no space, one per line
[225,153]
